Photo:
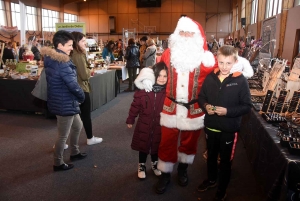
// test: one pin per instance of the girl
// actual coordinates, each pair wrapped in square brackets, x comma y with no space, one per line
[148,105]
[83,77]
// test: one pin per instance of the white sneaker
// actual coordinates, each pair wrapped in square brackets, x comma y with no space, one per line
[94,140]
[156,171]
[142,171]
[66,146]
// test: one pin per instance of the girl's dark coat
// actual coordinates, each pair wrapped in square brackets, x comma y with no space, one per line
[147,133]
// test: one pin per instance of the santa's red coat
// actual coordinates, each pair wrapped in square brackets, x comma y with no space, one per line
[183,87]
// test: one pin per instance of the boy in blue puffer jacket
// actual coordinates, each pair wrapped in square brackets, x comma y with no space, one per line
[63,97]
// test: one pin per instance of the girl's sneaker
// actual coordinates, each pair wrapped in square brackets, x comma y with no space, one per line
[156,171]
[142,171]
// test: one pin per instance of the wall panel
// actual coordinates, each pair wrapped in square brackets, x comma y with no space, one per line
[165,18]
[103,24]
[83,8]
[212,6]
[71,8]
[132,6]
[93,23]
[122,22]
[93,7]
[176,6]
[188,6]
[166,6]
[122,6]
[200,6]
[165,23]
[102,6]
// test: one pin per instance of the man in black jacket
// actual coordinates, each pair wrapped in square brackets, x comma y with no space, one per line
[225,98]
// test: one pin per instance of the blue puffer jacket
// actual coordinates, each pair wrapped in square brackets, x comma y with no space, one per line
[64,93]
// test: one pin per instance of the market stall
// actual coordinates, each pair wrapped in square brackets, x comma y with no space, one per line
[17,93]
[272,163]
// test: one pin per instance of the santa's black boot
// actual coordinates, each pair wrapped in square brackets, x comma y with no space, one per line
[183,179]
[162,183]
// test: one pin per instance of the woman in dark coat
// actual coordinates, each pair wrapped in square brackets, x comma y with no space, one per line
[132,56]
[148,105]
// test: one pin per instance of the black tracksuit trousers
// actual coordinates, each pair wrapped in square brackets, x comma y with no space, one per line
[224,144]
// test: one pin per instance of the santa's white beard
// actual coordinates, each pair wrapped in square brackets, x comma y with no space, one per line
[186,52]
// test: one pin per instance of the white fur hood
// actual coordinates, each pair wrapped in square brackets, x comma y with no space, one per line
[145,73]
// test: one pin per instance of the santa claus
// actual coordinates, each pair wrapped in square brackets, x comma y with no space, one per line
[188,64]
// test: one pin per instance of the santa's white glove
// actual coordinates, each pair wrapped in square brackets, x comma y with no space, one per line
[148,85]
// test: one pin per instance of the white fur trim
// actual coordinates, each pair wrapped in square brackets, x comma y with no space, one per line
[208,59]
[182,123]
[145,73]
[243,66]
[165,167]
[187,24]
[182,87]
[184,158]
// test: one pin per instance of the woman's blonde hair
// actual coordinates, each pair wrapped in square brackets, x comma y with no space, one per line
[150,42]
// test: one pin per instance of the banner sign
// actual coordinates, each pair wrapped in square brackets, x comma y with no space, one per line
[74,26]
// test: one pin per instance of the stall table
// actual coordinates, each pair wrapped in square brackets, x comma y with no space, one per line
[16,94]
[275,169]
[123,71]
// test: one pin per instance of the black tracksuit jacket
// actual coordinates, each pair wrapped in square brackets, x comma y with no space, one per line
[233,93]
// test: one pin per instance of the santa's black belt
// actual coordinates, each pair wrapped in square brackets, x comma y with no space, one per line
[187,105]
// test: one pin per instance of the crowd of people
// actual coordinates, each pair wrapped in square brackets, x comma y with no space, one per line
[189,91]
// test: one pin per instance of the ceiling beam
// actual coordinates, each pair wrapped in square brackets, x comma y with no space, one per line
[64,2]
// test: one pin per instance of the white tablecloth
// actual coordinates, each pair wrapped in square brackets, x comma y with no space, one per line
[123,69]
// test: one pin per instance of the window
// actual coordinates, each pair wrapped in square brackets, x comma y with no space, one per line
[31,16]
[49,18]
[243,11]
[273,7]
[2,14]
[70,17]
[254,4]
[15,15]
[237,18]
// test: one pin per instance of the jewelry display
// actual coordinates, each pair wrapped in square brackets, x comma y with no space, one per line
[267,101]
[280,101]
[271,83]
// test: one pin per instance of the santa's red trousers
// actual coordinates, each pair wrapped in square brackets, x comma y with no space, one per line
[168,147]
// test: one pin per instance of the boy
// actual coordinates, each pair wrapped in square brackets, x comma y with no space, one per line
[225,97]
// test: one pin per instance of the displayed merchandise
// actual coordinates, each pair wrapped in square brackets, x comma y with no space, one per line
[271,80]
[267,101]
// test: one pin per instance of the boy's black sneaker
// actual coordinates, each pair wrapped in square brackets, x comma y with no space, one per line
[220,196]
[206,184]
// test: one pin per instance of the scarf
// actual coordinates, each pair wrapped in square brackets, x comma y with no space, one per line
[157,88]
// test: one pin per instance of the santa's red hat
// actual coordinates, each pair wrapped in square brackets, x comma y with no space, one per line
[188,25]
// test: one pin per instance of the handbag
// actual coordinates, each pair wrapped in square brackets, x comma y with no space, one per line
[40,89]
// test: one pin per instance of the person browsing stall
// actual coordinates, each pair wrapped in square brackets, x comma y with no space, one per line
[132,56]
[149,57]
[108,50]
[78,56]
[225,97]
[142,48]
